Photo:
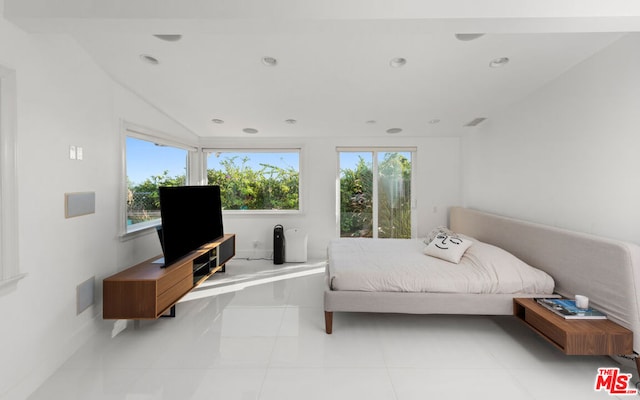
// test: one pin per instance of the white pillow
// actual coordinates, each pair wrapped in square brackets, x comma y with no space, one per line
[448,248]
[438,231]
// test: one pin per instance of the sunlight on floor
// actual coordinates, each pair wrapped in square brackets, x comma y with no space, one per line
[239,277]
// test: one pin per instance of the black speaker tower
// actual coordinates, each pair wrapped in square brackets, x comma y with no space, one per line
[278,244]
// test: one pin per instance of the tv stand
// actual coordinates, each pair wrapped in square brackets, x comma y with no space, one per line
[149,291]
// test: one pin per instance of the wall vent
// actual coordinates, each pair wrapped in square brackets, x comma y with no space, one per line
[85,295]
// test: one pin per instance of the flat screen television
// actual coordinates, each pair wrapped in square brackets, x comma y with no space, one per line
[191,216]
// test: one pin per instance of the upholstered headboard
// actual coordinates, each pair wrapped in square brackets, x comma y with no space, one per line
[605,270]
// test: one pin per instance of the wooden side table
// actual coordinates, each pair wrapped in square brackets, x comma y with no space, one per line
[575,337]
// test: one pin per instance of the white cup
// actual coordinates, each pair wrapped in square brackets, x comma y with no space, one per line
[582,301]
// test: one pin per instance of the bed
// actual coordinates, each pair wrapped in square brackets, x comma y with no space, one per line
[606,270]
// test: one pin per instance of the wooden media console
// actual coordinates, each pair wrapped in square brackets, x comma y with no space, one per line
[148,290]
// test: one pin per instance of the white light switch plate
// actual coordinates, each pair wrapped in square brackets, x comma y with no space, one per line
[72,152]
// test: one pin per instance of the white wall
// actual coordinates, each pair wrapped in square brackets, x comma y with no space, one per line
[567,155]
[437,163]
[63,99]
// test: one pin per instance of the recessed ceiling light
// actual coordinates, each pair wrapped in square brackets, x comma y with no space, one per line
[499,62]
[250,130]
[290,121]
[398,62]
[371,121]
[169,38]
[465,37]
[434,121]
[394,130]
[269,61]
[217,121]
[149,59]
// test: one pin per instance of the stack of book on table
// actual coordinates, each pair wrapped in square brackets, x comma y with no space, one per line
[567,309]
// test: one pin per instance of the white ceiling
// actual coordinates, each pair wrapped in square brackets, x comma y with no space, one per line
[333,72]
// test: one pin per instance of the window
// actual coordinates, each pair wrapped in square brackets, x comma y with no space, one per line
[375,193]
[150,163]
[256,180]
[9,261]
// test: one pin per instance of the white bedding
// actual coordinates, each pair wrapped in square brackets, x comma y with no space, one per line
[399,265]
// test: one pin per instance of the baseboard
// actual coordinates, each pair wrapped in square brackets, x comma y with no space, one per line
[254,254]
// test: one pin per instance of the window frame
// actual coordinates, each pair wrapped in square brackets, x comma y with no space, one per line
[375,150]
[207,151]
[154,136]
[10,272]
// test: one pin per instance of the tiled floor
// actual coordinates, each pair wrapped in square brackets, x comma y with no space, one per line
[257,332]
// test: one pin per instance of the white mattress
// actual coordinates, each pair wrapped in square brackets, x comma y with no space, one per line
[399,265]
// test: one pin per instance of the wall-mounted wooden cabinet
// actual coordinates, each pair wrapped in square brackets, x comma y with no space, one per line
[148,290]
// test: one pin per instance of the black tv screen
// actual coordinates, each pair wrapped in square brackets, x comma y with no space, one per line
[191,216]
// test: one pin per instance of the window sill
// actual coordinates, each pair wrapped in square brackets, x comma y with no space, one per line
[141,229]
[146,228]
[262,212]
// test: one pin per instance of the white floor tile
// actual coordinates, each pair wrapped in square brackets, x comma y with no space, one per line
[164,384]
[453,384]
[307,291]
[232,384]
[327,383]
[250,322]
[439,342]
[567,382]
[257,333]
